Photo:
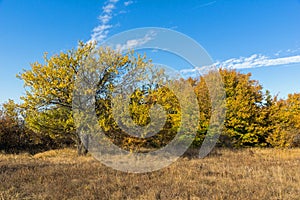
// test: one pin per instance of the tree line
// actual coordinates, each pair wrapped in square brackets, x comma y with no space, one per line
[44,119]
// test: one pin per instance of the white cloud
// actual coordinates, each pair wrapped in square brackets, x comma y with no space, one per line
[187,71]
[278,53]
[127,3]
[134,43]
[286,52]
[100,32]
[105,18]
[257,60]
[108,8]
[253,61]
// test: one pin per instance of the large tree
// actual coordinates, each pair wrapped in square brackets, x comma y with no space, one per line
[248,108]
[50,85]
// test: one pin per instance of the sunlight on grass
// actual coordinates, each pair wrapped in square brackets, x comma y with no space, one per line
[225,174]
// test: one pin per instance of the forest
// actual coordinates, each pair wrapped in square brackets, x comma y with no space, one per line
[44,120]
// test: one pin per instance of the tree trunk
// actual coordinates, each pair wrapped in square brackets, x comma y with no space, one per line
[82,146]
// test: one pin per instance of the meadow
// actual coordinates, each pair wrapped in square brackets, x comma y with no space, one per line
[250,173]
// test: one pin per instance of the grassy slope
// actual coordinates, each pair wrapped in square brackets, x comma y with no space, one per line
[227,174]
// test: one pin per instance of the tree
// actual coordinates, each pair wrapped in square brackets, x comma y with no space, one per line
[156,125]
[204,102]
[246,111]
[49,88]
[247,121]
[12,130]
[286,119]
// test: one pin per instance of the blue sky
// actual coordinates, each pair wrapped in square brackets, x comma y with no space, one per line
[261,37]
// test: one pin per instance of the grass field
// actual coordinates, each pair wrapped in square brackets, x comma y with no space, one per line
[225,174]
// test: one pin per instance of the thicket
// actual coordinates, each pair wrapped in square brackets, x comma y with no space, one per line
[45,118]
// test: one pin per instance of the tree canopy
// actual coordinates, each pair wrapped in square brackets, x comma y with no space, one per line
[253,116]
[50,86]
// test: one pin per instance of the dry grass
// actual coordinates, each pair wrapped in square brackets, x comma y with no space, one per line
[225,174]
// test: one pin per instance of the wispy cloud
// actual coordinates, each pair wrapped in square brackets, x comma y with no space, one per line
[100,32]
[127,3]
[134,43]
[253,61]
[287,52]
[205,4]
[257,60]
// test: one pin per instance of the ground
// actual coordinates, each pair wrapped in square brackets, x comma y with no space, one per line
[225,174]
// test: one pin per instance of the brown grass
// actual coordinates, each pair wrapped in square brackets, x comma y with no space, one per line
[225,174]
